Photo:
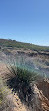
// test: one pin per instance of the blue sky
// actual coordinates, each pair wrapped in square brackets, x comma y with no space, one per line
[25,20]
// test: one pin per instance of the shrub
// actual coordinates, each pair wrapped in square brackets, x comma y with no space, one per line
[21,82]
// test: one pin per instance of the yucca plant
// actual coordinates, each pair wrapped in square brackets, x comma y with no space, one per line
[21,81]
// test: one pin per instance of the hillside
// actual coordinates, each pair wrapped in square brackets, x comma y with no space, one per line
[15,44]
[24,76]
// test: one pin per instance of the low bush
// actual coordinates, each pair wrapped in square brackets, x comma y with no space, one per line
[21,82]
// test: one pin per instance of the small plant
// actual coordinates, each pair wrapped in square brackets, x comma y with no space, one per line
[5,103]
[1,96]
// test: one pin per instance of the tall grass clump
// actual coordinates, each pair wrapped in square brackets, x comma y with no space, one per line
[21,81]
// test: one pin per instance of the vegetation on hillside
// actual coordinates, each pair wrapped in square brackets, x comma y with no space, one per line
[14,44]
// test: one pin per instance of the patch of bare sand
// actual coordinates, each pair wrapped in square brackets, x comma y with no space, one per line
[18,105]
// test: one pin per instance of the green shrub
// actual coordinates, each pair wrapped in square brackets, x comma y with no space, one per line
[20,81]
